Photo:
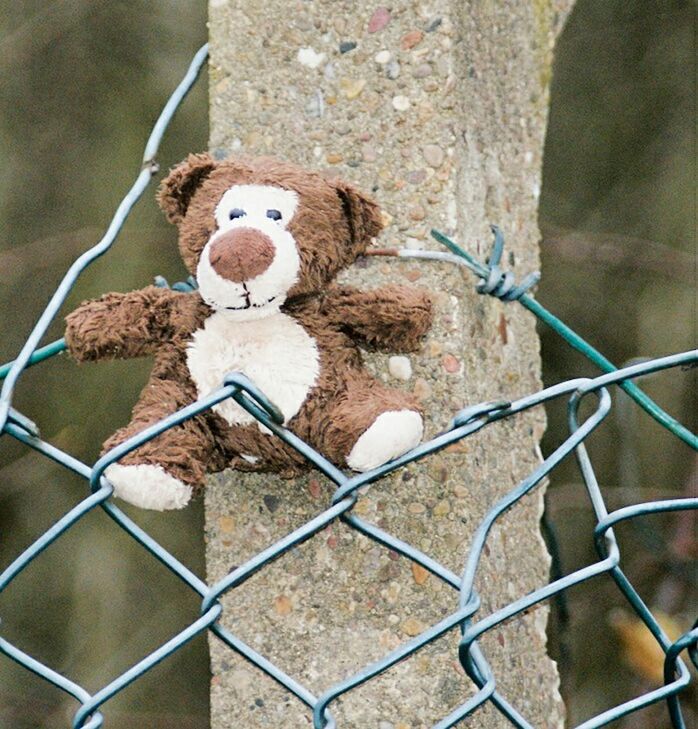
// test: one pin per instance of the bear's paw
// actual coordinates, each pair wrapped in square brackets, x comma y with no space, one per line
[391,434]
[148,486]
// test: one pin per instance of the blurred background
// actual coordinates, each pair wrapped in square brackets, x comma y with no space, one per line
[81,82]
[618,217]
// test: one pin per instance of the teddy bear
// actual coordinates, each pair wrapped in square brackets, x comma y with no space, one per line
[264,239]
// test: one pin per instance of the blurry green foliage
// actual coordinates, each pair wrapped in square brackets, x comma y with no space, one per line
[81,83]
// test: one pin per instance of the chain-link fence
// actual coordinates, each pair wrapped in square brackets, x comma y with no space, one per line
[465,423]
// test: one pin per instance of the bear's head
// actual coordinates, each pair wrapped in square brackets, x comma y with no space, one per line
[256,231]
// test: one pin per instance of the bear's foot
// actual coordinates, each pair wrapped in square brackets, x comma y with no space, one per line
[391,434]
[148,486]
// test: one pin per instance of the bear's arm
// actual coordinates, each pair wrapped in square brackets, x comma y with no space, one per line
[393,318]
[119,326]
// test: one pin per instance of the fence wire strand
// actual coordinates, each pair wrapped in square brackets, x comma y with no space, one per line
[468,421]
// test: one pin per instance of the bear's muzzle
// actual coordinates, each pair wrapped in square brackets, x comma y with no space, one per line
[241,254]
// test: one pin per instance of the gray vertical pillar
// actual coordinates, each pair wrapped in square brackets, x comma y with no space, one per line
[440,109]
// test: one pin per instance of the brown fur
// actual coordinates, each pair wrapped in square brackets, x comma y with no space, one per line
[333,224]
[393,317]
[331,235]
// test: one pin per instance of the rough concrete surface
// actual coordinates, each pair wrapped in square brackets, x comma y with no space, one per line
[440,109]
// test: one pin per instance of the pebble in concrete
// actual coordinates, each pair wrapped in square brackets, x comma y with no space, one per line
[400,367]
[310,57]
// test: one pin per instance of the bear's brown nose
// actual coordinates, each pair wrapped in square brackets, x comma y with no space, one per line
[241,254]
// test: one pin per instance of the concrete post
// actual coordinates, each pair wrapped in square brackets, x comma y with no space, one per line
[440,109]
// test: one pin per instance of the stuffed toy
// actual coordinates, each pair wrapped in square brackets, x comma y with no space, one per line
[264,239]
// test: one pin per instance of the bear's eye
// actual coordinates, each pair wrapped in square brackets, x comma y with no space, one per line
[274,214]
[236,213]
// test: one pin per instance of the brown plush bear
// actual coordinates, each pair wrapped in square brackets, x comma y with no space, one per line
[264,239]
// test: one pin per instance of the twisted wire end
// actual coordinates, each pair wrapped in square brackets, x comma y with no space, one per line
[502,284]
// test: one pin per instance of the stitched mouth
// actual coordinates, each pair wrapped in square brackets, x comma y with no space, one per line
[249,305]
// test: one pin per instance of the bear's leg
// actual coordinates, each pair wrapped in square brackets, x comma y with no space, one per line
[162,473]
[391,434]
[369,424]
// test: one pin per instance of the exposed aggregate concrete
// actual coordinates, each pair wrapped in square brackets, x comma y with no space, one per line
[439,108]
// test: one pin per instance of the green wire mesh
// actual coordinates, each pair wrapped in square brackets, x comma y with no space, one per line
[468,421]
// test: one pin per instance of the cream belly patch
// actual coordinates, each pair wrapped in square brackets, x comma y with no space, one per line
[275,352]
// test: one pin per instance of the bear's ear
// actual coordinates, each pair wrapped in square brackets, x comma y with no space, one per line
[362,213]
[177,189]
